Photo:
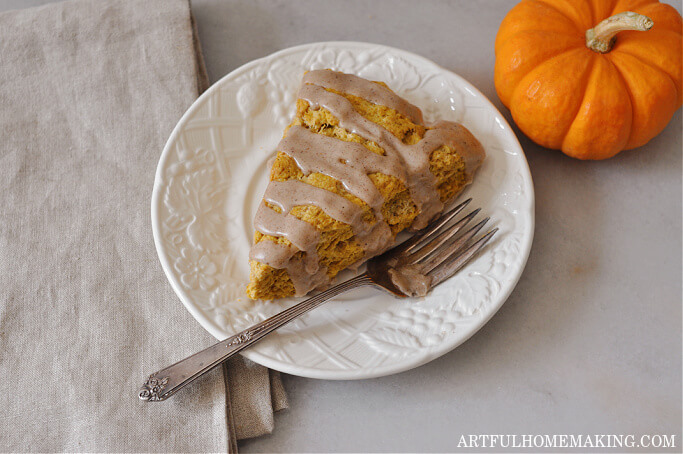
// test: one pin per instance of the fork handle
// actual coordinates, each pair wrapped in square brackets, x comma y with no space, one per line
[164,383]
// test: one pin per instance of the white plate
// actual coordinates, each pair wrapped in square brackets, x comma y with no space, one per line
[211,177]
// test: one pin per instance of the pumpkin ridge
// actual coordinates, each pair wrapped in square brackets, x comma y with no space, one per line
[578,26]
[520,73]
[540,63]
[588,97]
[543,62]
[646,63]
[584,81]
[628,90]
[626,85]
[586,78]
[598,13]
[579,11]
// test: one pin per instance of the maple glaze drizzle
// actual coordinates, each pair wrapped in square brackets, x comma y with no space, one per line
[348,162]
[363,88]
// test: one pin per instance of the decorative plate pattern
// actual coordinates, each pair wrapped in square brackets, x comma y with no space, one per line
[212,175]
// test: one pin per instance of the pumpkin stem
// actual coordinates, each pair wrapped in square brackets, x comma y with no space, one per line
[601,38]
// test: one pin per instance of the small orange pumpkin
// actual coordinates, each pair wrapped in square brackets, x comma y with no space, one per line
[590,77]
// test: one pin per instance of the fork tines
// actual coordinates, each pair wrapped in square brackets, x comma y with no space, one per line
[439,251]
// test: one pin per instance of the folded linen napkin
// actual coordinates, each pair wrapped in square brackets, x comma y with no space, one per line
[89,92]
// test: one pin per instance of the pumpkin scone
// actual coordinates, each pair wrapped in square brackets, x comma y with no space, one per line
[356,166]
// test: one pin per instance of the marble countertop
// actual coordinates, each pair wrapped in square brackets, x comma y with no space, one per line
[589,342]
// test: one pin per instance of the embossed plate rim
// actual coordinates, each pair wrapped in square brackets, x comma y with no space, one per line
[426,354]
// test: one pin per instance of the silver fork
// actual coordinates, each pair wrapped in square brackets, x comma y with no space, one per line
[435,253]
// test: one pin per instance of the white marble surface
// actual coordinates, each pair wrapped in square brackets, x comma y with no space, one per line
[590,340]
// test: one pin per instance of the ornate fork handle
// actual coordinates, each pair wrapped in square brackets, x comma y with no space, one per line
[164,383]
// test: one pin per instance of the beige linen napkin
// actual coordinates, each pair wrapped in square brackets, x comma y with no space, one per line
[89,92]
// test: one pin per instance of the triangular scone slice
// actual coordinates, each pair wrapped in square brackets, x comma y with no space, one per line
[356,166]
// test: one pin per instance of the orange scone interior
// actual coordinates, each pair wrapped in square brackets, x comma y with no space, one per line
[356,166]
